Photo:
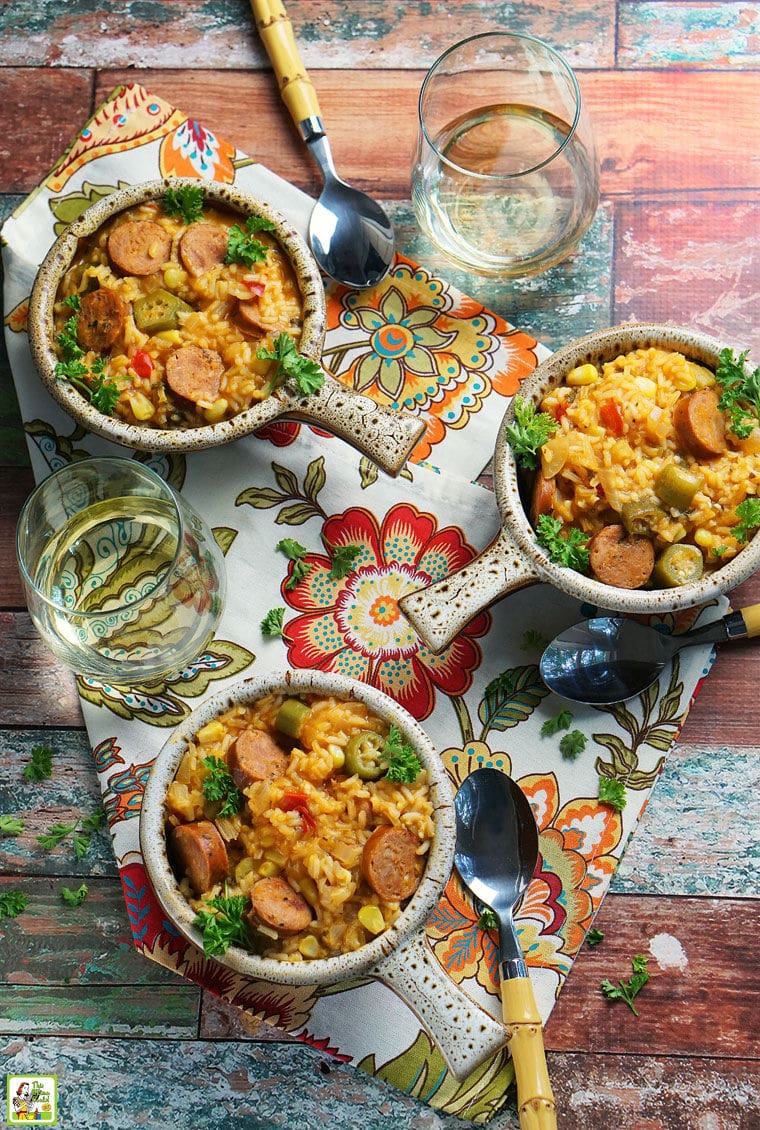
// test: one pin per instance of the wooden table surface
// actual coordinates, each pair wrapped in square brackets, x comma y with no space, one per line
[673,88]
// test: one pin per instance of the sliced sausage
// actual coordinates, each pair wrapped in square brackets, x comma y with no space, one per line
[202,247]
[255,756]
[542,497]
[200,853]
[390,863]
[102,314]
[195,373]
[139,247]
[619,559]
[699,424]
[277,905]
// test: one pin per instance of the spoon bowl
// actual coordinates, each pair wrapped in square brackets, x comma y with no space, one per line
[610,659]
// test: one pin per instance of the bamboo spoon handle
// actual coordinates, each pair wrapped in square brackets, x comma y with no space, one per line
[276,32]
[535,1100]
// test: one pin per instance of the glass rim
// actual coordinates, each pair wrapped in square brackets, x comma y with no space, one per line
[171,496]
[503,35]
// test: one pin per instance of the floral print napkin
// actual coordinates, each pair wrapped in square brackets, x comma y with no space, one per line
[416,343]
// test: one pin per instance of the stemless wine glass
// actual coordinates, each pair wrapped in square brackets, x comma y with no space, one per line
[124,581]
[505,178]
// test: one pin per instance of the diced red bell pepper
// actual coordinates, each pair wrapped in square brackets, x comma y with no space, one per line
[256,288]
[559,410]
[142,363]
[611,415]
[299,802]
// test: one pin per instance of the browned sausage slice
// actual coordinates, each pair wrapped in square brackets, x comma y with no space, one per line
[200,852]
[699,424]
[139,247]
[617,559]
[194,373]
[102,314]
[202,247]
[542,497]
[255,756]
[276,904]
[390,863]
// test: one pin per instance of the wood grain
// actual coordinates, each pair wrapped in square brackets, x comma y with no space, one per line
[36,97]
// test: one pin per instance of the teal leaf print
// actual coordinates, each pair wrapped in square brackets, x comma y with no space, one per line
[511,698]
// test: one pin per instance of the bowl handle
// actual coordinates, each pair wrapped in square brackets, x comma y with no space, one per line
[384,435]
[440,611]
[465,1033]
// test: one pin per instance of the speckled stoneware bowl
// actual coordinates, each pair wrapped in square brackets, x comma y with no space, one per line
[383,434]
[515,559]
[322,971]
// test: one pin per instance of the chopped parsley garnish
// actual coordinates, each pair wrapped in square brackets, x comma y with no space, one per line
[296,553]
[561,721]
[594,936]
[11,826]
[572,744]
[627,990]
[488,919]
[570,548]
[219,787]
[74,302]
[224,928]
[272,624]
[292,366]
[101,393]
[185,201]
[403,763]
[612,792]
[242,247]
[740,394]
[529,432]
[41,765]
[13,903]
[748,513]
[342,560]
[74,898]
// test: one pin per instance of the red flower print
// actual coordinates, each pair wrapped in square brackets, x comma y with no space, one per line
[354,625]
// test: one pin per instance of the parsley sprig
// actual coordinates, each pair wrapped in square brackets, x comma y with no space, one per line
[296,553]
[292,367]
[77,897]
[594,936]
[272,624]
[223,926]
[82,833]
[185,201]
[342,560]
[242,247]
[41,764]
[565,547]
[403,763]
[612,792]
[553,725]
[488,919]
[627,990]
[13,903]
[572,744]
[219,787]
[748,513]
[11,826]
[529,432]
[740,393]
[101,393]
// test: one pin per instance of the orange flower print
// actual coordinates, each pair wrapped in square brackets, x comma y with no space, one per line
[354,625]
[193,151]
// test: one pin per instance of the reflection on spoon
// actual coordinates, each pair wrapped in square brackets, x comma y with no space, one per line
[610,658]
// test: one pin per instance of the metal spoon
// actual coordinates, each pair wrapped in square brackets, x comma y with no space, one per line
[610,659]
[496,854]
[350,234]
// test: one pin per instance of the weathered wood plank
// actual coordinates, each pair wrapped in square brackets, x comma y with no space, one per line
[685,33]
[34,687]
[33,98]
[103,1010]
[659,150]
[704,992]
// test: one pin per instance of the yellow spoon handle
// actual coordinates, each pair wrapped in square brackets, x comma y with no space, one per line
[276,31]
[751,616]
[535,1100]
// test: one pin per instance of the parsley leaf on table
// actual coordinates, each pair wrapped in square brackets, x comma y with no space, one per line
[572,744]
[272,624]
[295,552]
[403,763]
[532,638]
[342,560]
[226,927]
[185,201]
[529,432]
[11,826]
[488,919]
[561,721]
[612,792]
[13,903]
[219,786]
[242,247]
[41,764]
[82,837]
[57,832]
[594,936]
[74,898]
[570,549]
[748,513]
[740,394]
[627,990]
[292,366]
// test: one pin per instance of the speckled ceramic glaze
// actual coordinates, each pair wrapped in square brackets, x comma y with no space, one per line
[515,559]
[440,857]
[385,435]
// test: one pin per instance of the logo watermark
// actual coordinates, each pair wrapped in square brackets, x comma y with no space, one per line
[31,1098]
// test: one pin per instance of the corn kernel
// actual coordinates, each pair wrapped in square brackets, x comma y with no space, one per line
[140,405]
[705,538]
[338,757]
[173,277]
[268,868]
[244,867]
[174,337]
[308,888]
[216,411]
[211,732]
[371,918]
[586,374]
[684,379]
[309,946]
